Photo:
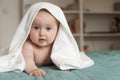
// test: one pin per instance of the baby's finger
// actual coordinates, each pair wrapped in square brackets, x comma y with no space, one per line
[42,72]
[36,74]
[31,74]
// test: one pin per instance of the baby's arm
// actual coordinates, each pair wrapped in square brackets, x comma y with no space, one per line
[30,66]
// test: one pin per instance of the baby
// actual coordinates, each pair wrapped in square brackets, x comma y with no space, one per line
[37,48]
[43,37]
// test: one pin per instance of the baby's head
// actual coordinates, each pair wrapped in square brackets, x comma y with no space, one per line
[44,29]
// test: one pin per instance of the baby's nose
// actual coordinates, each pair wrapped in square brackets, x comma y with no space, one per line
[42,32]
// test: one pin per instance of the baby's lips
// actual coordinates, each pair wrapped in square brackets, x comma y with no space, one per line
[41,40]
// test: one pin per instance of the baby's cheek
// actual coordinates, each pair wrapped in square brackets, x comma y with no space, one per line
[51,39]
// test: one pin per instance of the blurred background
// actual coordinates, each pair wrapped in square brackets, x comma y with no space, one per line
[95,24]
[10,16]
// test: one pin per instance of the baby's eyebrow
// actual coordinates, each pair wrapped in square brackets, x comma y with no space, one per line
[33,25]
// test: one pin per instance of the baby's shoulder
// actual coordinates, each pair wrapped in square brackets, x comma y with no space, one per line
[27,45]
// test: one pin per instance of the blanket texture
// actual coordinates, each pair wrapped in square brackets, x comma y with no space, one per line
[65,53]
[106,67]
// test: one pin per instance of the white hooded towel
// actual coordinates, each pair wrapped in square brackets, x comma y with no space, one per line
[65,53]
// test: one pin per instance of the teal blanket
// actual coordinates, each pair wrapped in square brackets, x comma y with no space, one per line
[106,67]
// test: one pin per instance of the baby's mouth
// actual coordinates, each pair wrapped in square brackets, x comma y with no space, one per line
[41,40]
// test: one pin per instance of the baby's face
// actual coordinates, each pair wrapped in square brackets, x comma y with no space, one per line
[44,29]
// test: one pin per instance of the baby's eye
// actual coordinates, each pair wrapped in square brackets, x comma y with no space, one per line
[48,28]
[36,27]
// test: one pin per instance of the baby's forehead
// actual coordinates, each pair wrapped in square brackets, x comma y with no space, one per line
[42,11]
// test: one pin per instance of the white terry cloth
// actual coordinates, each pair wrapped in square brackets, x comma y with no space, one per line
[65,53]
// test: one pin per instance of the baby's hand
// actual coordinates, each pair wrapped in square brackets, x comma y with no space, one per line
[37,72]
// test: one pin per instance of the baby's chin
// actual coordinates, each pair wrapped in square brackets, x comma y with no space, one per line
[44,45]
